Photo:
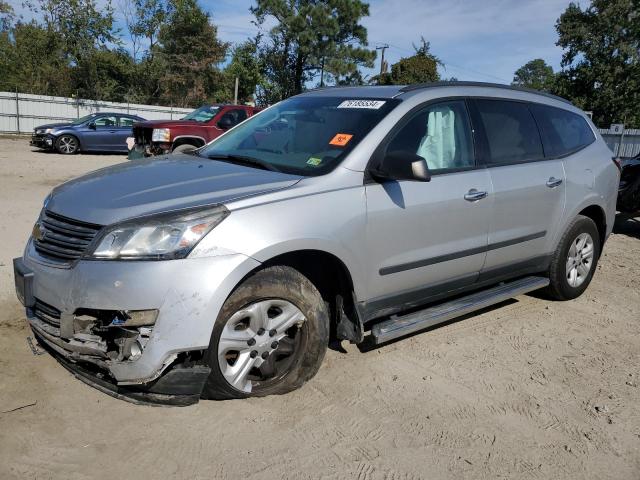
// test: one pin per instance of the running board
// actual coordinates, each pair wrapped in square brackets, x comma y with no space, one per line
[399,326]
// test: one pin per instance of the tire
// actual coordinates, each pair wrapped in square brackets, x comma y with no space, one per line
[67,145]
[284,295]
[563,285]
[184,148]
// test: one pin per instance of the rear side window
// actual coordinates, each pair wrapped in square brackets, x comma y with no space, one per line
[563,132]
[511,132]
[127,121]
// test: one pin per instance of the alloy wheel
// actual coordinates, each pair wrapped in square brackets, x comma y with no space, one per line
[67,144]
[579,260]
[259,343]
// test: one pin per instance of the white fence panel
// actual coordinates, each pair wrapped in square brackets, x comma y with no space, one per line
[626,145]
[22,112]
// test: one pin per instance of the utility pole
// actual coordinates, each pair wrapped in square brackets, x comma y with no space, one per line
[322,73]
[17,111]
[235,95]
[383,67]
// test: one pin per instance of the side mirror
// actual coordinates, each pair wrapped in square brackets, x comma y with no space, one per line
[400,165]
[225,122]
[92,125]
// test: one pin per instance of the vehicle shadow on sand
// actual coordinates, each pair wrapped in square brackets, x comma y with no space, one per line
[79,154]
[627,225]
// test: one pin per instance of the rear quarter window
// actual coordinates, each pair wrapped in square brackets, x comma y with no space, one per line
[563,132]
[511,132]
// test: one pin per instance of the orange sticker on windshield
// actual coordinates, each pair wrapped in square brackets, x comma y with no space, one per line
[341,139]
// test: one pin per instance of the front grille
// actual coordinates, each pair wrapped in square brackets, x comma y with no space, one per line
[62,238]
[142,135]
[47,313]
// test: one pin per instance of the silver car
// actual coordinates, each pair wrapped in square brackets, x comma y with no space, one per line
[360,213]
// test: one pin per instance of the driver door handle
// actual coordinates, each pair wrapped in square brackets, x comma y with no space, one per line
[474,195]
[554,182]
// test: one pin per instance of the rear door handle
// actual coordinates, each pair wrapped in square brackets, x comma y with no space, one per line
[474,195]
[554,182]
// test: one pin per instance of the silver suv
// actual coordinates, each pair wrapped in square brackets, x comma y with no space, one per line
[361,214]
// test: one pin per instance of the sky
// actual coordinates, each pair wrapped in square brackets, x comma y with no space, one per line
[481,40]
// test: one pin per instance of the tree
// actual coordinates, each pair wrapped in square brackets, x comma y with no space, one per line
[601,60]
[308,36]
[78,28]
[419,68]
[190,51]
[26,69]
[6,16]
[144,18]
[110,71]
[245,65]
[535,74]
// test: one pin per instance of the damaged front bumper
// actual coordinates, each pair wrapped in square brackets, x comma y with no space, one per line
[135,330]
[42,140]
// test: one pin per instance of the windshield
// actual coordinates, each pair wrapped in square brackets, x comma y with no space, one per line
[86,118]
[202,114]
[305,135]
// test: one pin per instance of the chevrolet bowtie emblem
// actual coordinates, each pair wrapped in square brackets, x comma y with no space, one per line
[38,232]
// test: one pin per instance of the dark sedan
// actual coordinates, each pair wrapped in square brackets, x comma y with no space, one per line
[629,191]
[97,132]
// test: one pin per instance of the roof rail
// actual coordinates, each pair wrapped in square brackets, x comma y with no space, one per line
[420,86]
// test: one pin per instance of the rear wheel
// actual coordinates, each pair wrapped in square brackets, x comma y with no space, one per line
[67,145]
[574,261]
[270,336]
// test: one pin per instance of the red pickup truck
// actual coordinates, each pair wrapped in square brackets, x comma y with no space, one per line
[193,131]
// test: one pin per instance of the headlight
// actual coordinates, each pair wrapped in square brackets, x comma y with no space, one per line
[49,130]
[161,135]
[159,237]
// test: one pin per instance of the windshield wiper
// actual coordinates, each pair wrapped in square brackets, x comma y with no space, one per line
[243,160]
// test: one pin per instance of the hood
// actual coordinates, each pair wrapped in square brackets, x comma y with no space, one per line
[52,125]
[135,189]
[166,123]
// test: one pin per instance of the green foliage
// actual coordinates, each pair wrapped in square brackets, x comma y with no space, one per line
[535,74]
[419,68]
[246,66]
[21,61]
[310,35]
[601,61]
[144,18]
[7,16]
[190,51]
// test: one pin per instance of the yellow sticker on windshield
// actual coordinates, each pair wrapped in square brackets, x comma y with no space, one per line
[314,161]
[341,139]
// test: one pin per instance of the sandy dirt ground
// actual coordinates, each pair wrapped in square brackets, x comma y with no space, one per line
[530,389]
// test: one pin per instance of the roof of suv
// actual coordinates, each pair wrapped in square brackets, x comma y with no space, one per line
[393,91]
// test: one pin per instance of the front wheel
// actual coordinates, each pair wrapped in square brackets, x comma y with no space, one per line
[67,145]
[270,337]
[184,148]
[574,261]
